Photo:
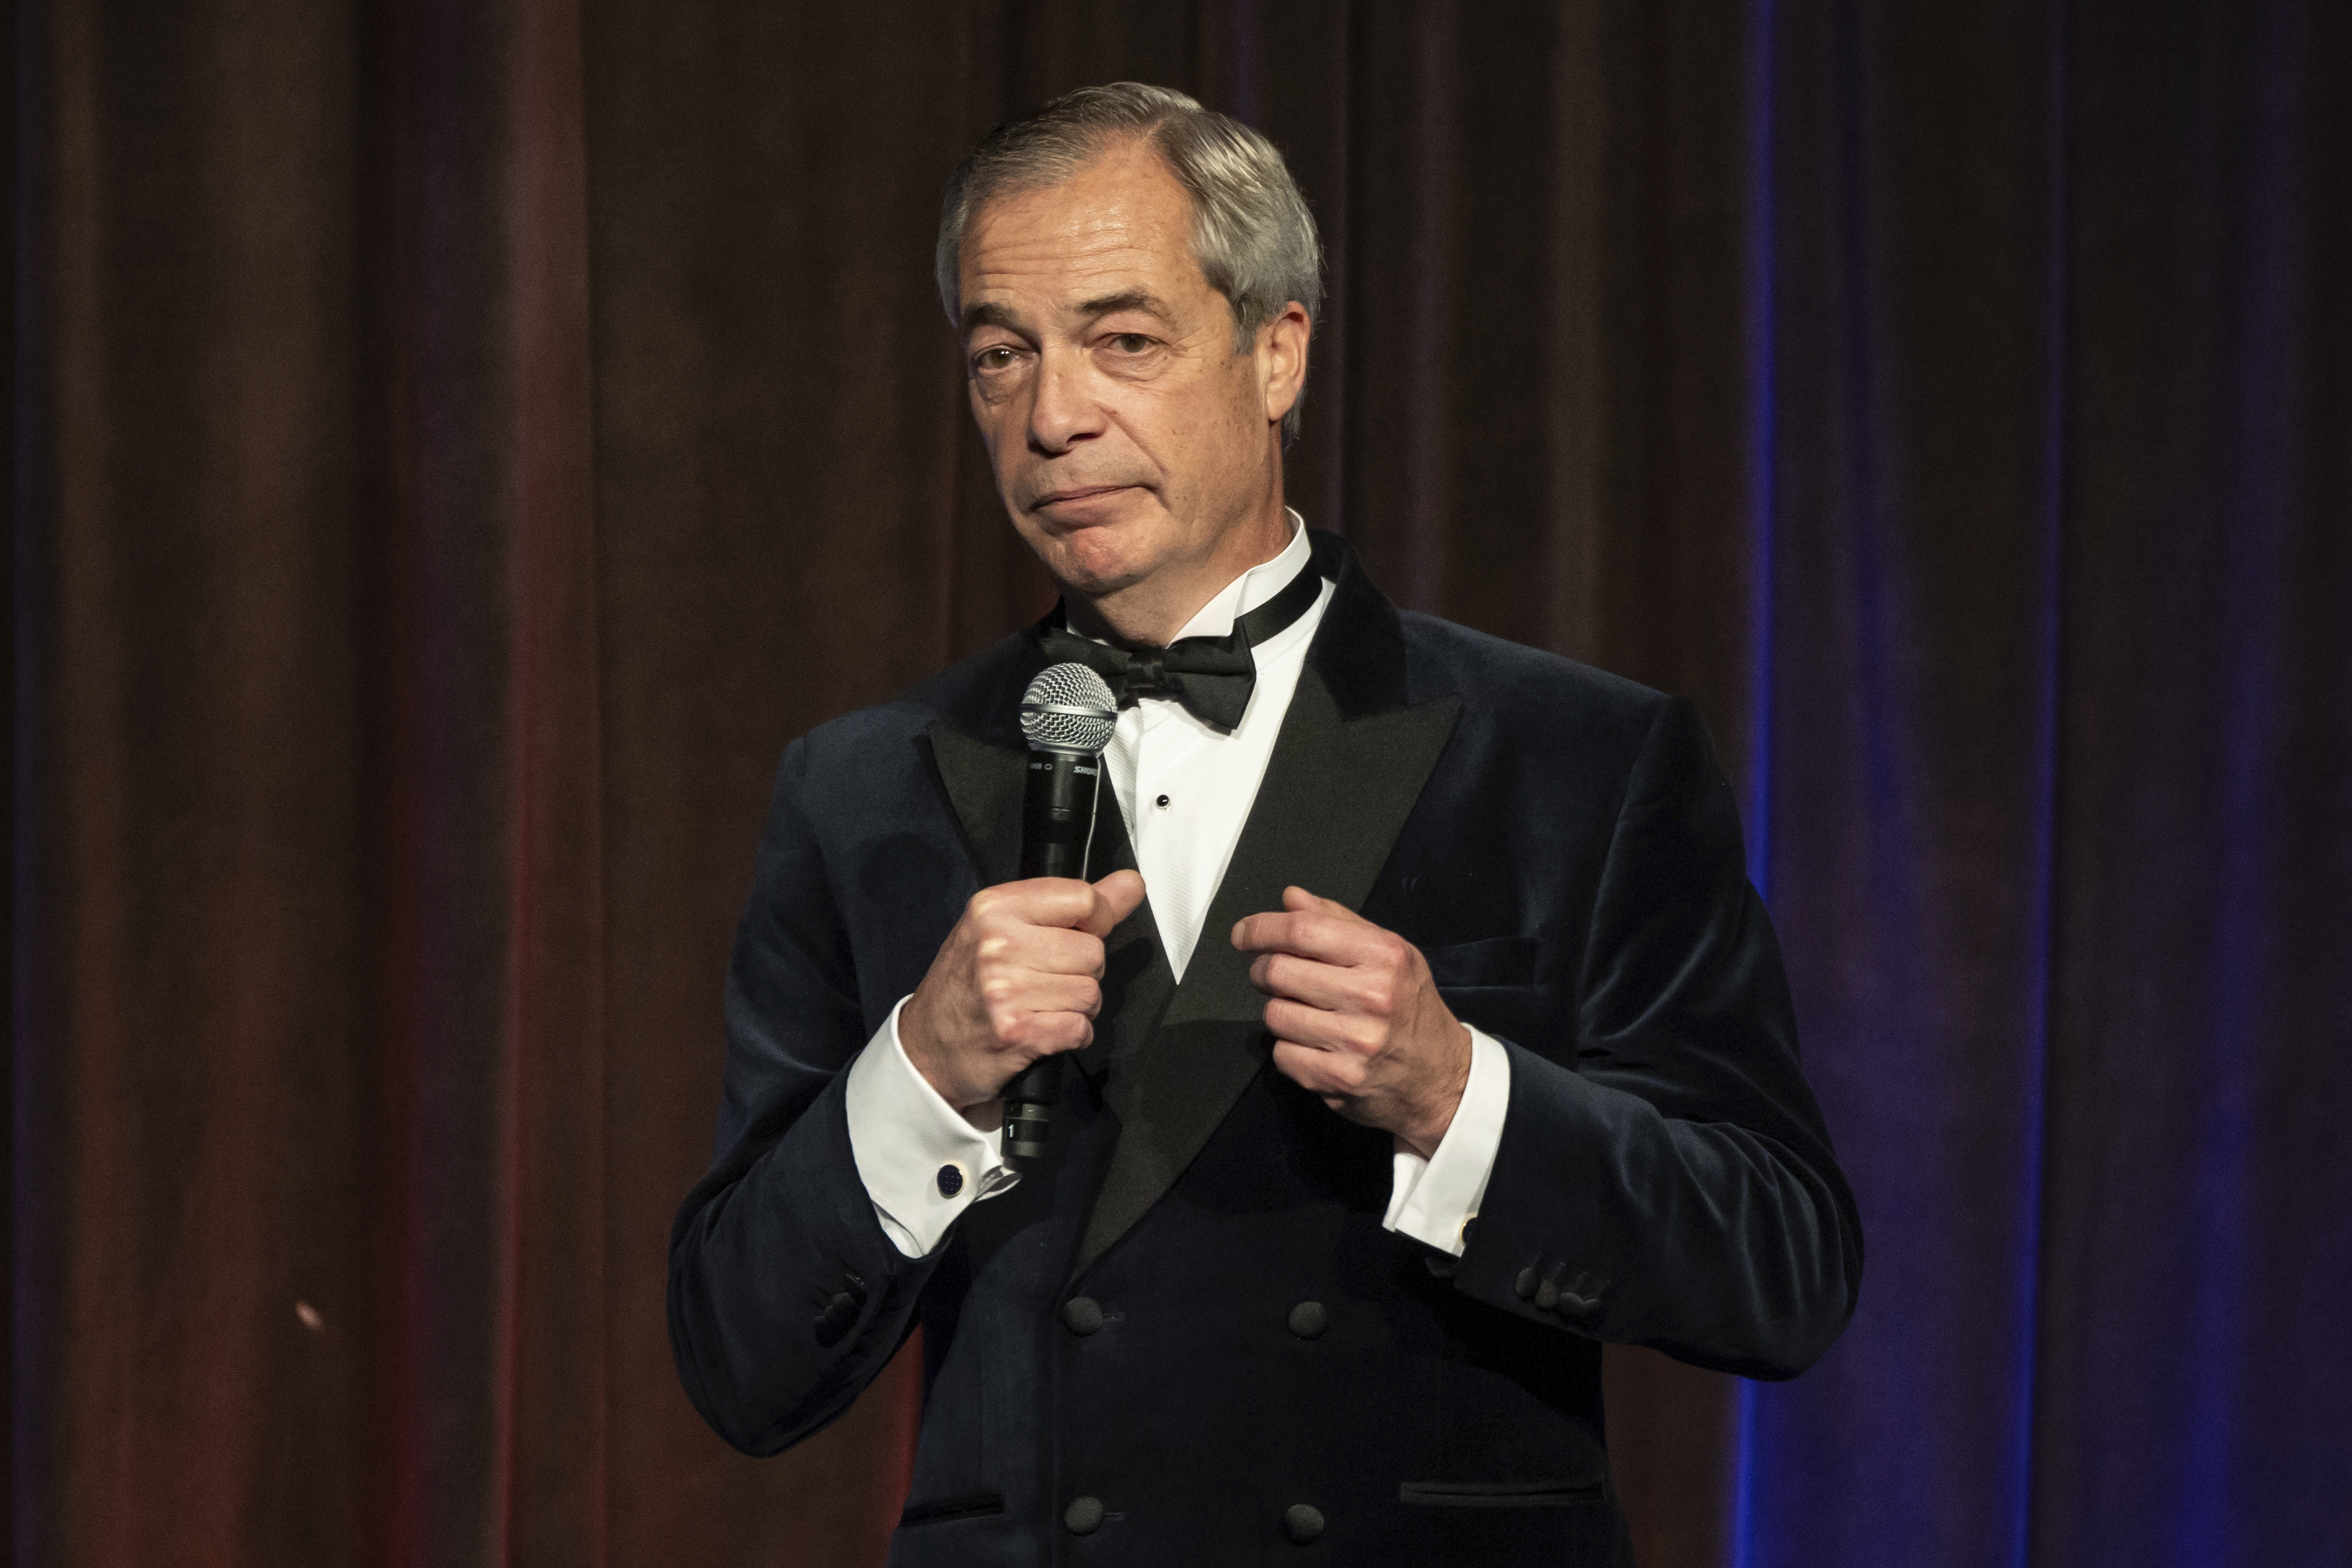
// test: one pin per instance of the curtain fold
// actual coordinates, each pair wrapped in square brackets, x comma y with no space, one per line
[2190,1400]
[457,446]
[311,926]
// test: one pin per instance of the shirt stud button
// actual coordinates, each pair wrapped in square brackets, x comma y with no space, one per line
[951,1180]
[1161,802]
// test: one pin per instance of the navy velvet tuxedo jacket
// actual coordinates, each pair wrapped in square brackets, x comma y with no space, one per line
[1185,1339]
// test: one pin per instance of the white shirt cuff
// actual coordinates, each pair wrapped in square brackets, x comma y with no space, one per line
[1432,1200]
[922,1162]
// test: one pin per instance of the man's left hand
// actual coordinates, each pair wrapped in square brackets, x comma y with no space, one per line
[1357,1019]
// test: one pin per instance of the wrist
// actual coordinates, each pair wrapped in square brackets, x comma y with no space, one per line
[1429,1128]
[917,1038]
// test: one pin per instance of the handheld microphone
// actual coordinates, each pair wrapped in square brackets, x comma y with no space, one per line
[1068,713]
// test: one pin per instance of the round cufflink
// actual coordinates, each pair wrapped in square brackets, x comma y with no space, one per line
[951,1180]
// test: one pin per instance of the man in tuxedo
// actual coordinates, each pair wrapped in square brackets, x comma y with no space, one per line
[1427,1032]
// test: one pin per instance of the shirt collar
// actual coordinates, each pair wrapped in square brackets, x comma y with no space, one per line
[1253,587]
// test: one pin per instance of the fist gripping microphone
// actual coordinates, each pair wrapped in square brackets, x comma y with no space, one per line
[1067,713]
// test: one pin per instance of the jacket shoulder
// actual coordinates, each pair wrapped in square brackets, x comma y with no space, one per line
[1526,691]
[978,695]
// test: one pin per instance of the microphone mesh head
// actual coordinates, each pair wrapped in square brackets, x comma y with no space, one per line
[1068,707]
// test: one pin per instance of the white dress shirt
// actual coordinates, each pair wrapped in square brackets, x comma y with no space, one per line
[1184,789]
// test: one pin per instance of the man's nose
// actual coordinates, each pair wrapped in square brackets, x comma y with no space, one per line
[1065,410]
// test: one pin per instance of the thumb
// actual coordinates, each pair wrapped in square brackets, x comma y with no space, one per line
[1116,897]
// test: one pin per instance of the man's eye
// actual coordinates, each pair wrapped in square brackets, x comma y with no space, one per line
[1130,342]
[996,359]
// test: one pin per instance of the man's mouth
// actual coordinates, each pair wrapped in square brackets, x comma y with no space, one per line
[1076,493]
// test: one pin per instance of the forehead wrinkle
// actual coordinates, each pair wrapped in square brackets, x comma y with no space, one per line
[995,282]
[1139,299]
[1076,251]
[1067,222]
[1099,270]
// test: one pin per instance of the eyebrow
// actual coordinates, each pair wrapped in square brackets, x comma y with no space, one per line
[986,314]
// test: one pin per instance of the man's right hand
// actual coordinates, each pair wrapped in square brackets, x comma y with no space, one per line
[1019,977]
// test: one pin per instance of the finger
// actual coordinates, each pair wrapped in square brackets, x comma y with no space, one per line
[1272,933]
[1318,985]
[1061,901]
[1050,1034]
[1047,949]
[1299,900]
[1312,933]
[1012,1002]
[1316,1029]
[1336,1078]
[1116,897]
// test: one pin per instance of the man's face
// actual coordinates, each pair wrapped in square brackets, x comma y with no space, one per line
[1129,441]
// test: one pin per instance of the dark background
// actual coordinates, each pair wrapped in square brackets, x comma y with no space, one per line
[457,443]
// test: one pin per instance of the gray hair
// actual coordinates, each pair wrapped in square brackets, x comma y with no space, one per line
[1252,232]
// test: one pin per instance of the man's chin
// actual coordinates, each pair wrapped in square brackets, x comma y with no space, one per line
[1098,556]
[1097,573]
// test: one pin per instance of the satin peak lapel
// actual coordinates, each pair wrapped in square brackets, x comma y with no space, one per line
[983,786]
[1335,795]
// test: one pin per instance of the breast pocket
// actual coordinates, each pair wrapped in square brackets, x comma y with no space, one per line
[1492,985]
[1494,961]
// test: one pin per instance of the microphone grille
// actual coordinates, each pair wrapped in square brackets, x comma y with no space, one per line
[1068,707]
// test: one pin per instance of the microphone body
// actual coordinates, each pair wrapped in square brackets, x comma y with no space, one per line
[1067,714]
[1057,812]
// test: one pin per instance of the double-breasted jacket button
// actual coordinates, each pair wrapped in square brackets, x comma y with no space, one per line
[1308,1319]
[1547,1296]
[834,1319]
[950,1179]
[1526,1283]
[1579,1302]
[1082,1314]
[1084,1516]
[1302,1521]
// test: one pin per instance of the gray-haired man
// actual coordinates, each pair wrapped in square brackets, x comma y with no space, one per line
[1429,1032]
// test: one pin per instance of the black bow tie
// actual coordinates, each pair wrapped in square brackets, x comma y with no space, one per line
[1212,676]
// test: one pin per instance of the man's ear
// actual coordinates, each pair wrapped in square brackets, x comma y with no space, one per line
[1282,360]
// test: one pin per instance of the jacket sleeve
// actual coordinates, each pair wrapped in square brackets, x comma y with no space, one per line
[1674,1187]
[786,1297]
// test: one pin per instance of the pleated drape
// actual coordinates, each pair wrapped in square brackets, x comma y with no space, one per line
[456,445]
